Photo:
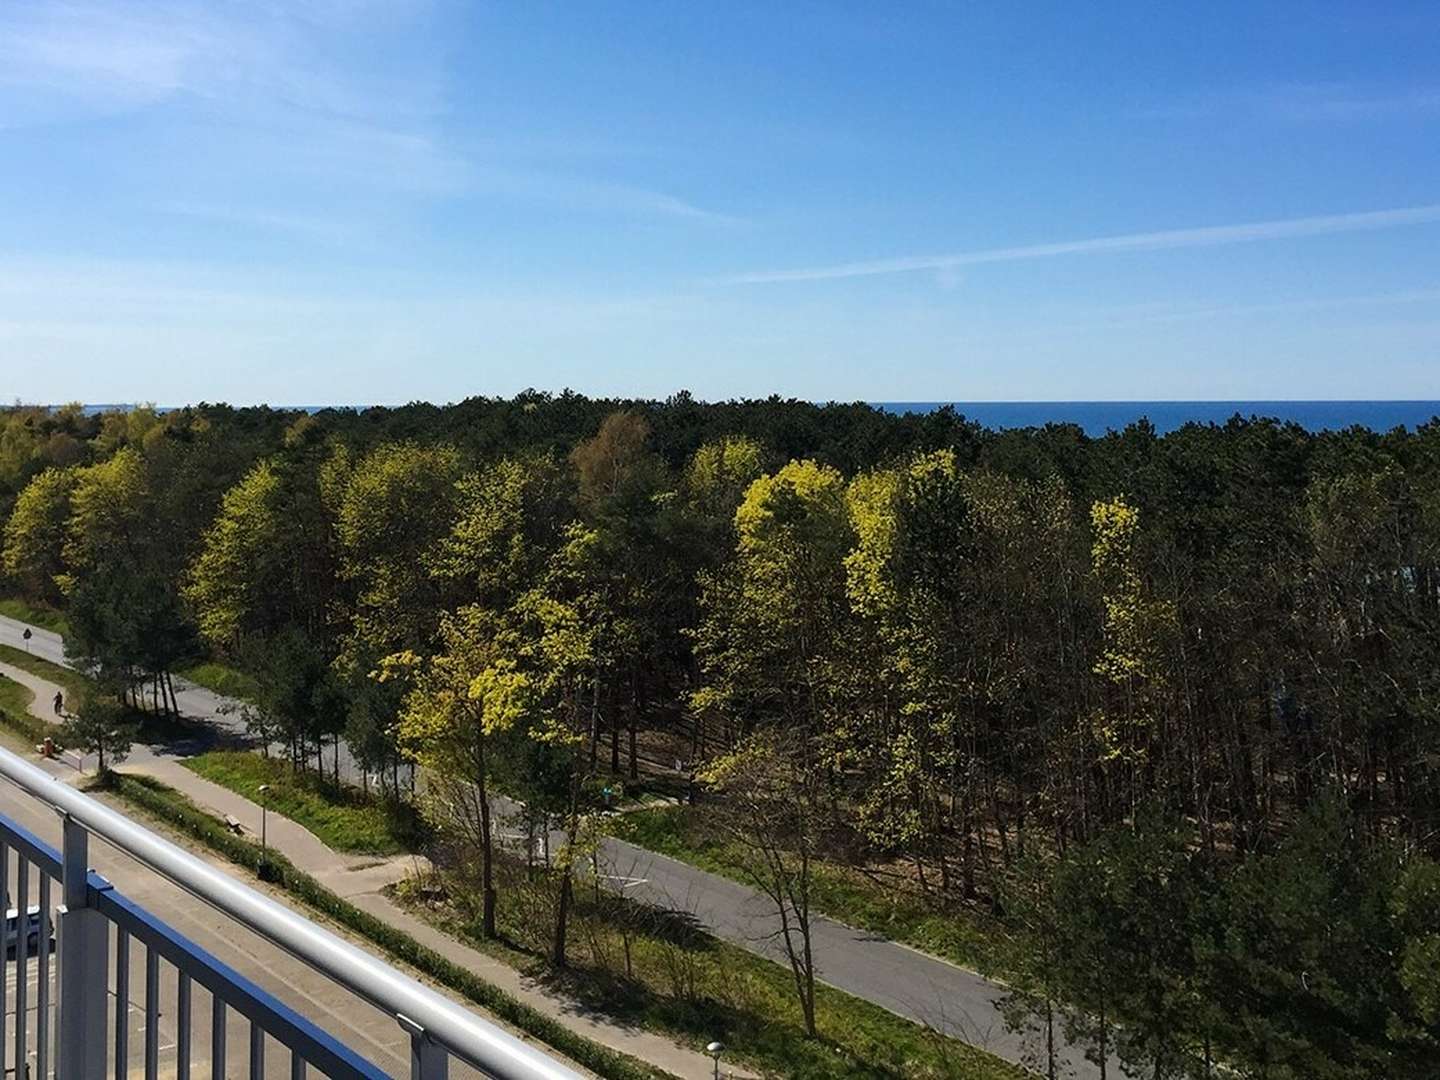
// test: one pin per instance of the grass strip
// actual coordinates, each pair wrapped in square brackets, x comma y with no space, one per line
[173,808]
[344,819]
[965,937]
[47,618]
[15,712]
[223,680]
[72,682]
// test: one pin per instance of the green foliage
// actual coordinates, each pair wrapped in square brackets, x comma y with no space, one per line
[509,520]
[1000,663]
[245,552]
[100,725]
[34,535]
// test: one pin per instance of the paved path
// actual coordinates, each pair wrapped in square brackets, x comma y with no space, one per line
[917,986]
[360,878]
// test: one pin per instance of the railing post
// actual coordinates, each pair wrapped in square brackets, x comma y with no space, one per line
[428,1059]
[84,966]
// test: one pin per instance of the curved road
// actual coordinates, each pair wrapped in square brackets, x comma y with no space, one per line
[930,991]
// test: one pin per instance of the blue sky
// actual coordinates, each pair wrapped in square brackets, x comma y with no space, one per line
[303,202]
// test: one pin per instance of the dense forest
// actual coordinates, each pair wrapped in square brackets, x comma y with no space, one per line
[1166,707]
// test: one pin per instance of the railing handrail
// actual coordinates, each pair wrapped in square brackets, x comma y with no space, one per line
[477,1042]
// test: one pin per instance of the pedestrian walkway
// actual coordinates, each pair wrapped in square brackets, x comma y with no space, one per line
[360,880]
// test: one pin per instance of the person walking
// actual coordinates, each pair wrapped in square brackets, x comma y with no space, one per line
[59,703]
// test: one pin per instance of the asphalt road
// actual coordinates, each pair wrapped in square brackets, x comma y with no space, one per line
[948,998]
[195,702]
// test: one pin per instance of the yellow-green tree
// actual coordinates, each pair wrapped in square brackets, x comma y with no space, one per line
[775,615]
[392,508]
[241,570]
[470,691]
[1137,629]
[33,554]
[509,519]
[124,609]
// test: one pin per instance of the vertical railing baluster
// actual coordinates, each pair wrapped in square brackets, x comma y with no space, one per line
[122,1004]
[4,947]
[217,1036]
[22,961]
[83,948]
[42,983]
[152,1014]
[297,1066]
[257,1051]
[182,1028]
[428,1060]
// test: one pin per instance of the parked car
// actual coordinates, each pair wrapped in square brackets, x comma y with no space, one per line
[30,927]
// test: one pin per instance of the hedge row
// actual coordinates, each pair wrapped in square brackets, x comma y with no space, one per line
[174,808]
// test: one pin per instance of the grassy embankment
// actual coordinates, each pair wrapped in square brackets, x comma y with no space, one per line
[15,708]
[15,700]
[47,618]
[898,910]
[152,727]
[72,682]
[226,681]
[342,818]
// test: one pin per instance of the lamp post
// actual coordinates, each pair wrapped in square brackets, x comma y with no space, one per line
[264,839]
[715,1049]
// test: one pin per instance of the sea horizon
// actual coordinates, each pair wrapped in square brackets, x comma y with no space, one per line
[1096,418]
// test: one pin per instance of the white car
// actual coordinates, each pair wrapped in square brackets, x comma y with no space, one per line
[31,930]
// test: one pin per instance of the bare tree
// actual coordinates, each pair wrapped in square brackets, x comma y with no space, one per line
[774,808]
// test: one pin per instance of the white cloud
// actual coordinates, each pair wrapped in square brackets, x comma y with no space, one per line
[289,102]
[1208,236]
[113,57]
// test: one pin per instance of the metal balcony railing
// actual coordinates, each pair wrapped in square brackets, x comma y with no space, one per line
[80,1027]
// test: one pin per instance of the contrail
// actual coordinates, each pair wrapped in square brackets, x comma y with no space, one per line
[1209,236]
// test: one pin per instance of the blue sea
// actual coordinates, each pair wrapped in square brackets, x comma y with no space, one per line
[1098,417]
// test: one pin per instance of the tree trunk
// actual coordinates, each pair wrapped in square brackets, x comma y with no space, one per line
[594,721]
[562,920]
[487,850]
[637,702]
[170,684]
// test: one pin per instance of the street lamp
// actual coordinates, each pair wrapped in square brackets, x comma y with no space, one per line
[264,842]
[715,1049]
